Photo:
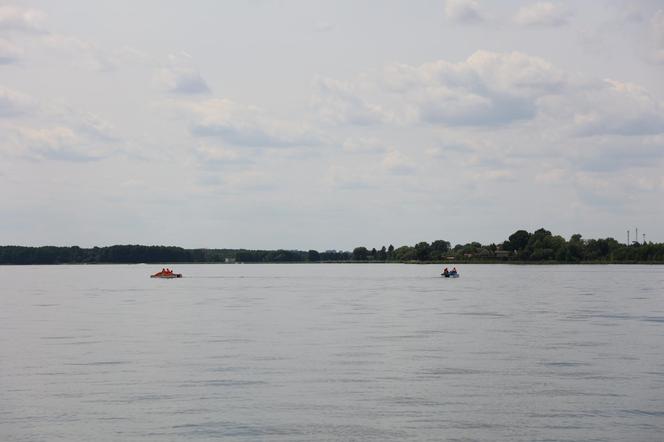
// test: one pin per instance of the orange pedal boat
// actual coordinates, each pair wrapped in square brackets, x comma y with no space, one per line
[166,274]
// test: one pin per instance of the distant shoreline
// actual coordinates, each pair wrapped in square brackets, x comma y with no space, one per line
[521,248]
[447,263]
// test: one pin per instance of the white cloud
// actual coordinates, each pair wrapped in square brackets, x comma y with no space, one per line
[14,103]
[210,154]
[244,126]
[348,178]
[18,18]
[552,176]
[632,12]
[495,175]
[487,89]
[611,192]
[92,126]
[463,11]
[364,145]
[85,54]
[186,81]
[542,14]
[491,89]
[9,52]
[41,130]
[339,102]
[451,147]
[60,143]
[181,77]
[396,163]
[646,184]
[613,107]
[251,180]
[615,153]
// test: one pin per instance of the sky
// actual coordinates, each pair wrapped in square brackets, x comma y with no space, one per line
[329,125]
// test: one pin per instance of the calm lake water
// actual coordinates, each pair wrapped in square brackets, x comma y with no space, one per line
[332,352]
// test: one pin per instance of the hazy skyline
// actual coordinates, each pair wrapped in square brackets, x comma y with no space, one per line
[306,124]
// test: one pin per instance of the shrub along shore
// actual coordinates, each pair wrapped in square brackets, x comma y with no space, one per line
[522,247]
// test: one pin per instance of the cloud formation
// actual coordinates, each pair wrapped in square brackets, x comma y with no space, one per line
[364,145]
[87,55]
[340,102]
[185,81]
[13,103]
[491,89]
[18,18]
[9,52]
[43,131]
[348,178]
[55,143]
[542,14]
[180,77]
[216,155]
[463,11]
[396,163]
[244,126]
[467,99]
[617,108]
[486,89]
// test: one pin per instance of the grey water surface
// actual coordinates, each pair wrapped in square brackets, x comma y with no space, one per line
[332,352]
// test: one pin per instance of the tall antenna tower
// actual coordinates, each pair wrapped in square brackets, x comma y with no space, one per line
[636,234]
[628,237]
[644,238]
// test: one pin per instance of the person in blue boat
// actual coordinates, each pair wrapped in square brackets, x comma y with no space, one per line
[454,271]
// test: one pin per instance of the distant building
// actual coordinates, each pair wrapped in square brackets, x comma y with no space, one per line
[229,260]
[503,253]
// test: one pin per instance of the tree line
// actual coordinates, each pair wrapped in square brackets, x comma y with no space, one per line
[540,246]
[134,254]
[522,246]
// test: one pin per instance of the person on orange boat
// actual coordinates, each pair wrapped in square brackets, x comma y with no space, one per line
[446,272]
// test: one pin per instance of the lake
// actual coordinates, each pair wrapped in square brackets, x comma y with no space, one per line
[332,352]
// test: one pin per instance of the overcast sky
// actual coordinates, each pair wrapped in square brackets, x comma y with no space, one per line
[329,125]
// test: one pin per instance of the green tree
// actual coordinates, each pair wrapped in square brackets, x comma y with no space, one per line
[404,253]
[360,254]
[439,250]
[440,246]
[518,240]
[422,251]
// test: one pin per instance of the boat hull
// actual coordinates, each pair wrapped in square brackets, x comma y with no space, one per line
[170,276]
